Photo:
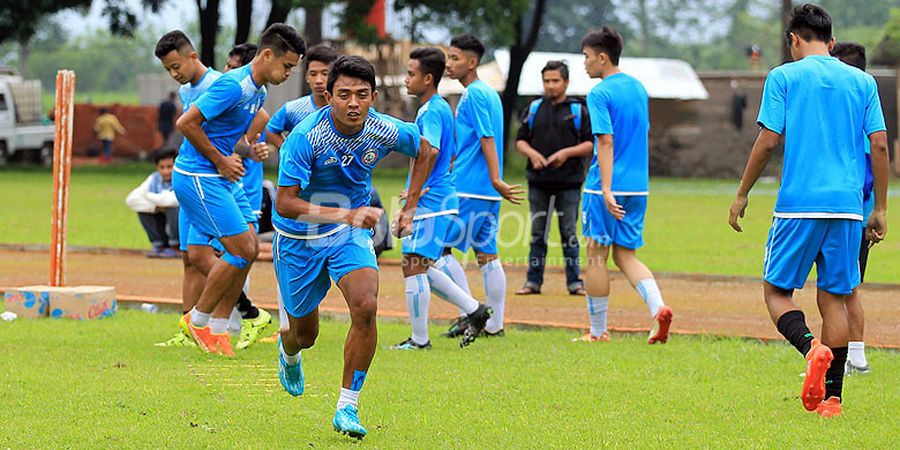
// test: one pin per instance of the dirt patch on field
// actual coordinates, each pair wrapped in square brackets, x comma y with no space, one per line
[702,304]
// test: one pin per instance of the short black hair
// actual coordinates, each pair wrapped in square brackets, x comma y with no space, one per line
[174,40]
[469,43]
[245,52]
[557,65]
[353,67]
[605,40]
[850,53]
[431,60]
[164,154]
[321,53]
[810,23]
[281,39]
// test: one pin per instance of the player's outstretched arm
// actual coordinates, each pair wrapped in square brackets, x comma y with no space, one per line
[289,204]
[766,141]
[419,171]
[190,124]
[511,193]
[876,228]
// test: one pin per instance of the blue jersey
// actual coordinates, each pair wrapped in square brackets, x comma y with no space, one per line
[825,109]
[333,169]
[479,114]
[229,106]
[190,92]
[290,114]
[619,106]
[435,122]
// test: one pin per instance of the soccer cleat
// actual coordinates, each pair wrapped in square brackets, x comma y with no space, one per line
[475,323]
[346,421]
[203,337]
[410,344]
[830,407]
[291,377]
[588,337]
[252,329]
[850,369]
[818,359]
[270,339]
[457,328]
[660,331]
[179,340]
[223,343]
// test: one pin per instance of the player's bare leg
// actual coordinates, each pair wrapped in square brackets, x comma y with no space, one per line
[642,280]
[301,334]
[596,285]
[856,356]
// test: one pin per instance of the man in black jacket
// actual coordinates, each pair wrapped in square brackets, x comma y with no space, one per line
[556,138]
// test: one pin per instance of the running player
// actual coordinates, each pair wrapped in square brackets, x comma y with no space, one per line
[207,172]
[617,185]
[824,108]
[323,223]
[317,60]
[478,173]
[855,55]
[437,209]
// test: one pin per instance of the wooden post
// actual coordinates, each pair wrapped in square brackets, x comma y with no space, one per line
[62,170]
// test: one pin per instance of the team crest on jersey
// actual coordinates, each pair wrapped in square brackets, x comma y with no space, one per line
[330,161]
[370,156]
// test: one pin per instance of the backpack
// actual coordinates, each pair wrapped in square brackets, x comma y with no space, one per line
[575,107]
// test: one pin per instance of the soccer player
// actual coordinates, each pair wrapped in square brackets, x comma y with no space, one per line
[323,223]
[478,173]
[317,60]
[824,109]
[436,210]
[207,172]
[240,55]
[855,55]
[617,185]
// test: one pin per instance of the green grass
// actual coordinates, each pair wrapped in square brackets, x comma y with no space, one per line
[686,228]
[102,384]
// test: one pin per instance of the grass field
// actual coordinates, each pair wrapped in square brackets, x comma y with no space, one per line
[686,228]
[101,384]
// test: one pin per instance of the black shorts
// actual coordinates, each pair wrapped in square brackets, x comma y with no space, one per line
[863,258]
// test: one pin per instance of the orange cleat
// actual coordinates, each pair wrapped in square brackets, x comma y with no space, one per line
[830,407]
[588,337]
[204,338]
[273,339]
[660,331]
[223,342]
[818,359]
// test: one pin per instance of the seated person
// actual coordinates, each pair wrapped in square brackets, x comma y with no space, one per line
[157,208]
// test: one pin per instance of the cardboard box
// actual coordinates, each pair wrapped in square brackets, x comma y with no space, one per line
[27,304]
[72,302]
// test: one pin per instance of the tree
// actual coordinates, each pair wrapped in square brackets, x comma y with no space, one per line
[21,18]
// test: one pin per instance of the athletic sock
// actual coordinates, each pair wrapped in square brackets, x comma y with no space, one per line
[649,291]
[834,376]
[418,295]
[234,322]
[597,307]
[246,308]
[495,291]
[444,287]
[449,265]
[350,396]
[291,360]
[199,319]
[792,325]
[218,325]
[856,353]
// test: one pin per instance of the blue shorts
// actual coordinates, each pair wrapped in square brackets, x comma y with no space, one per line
[429,236]
[795,244]
[214,207]
[476,226]
[303,266]
[599,224]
